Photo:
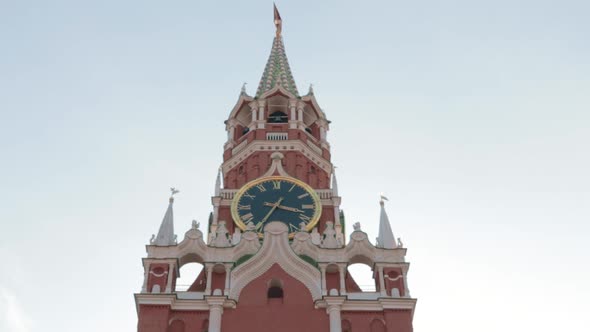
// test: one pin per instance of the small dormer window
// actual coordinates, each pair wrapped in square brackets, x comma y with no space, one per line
[308,130]
[245,130]
[278,117]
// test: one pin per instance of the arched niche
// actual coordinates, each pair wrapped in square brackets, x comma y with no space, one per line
[377,325]
[177,325]
[346,326]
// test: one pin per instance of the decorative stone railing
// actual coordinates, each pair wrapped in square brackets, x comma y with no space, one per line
[324,193]
[277,136]
[190,295]
[364,296]
[228,193]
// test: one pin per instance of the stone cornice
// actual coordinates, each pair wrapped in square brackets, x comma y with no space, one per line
[371,305]
[281,146]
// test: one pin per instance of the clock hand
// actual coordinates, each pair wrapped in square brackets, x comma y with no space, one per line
[286,208]
[274,206]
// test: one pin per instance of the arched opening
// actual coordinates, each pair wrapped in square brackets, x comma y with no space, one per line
[189,277]
[377,325]
[361,276]
[346,327]
[177,325]
[275,289]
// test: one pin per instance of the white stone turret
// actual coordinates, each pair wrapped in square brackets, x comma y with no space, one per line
[334,182]
[218,183]
[385,239]
[166,235]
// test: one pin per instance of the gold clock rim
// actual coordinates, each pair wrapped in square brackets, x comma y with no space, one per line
[234,205]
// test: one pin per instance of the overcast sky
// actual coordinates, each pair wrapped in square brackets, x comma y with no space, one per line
[471,116]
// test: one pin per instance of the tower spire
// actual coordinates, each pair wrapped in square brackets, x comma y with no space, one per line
[277,70]
[166,235]
[385,239]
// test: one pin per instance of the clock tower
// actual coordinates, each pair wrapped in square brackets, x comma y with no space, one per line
[275,255]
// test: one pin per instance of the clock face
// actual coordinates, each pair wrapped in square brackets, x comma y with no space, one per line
[276,198]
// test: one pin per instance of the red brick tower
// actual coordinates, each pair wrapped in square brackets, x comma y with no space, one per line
[275,257]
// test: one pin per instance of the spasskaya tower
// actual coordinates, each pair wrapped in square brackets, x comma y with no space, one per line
[275,255]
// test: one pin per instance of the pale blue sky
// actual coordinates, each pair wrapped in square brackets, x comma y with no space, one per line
[472,117]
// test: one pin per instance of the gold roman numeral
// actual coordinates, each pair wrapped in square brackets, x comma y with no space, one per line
[261,187]
[304,218]
[247,217]
[244,207]
[247,194]
[292,187]
[307,206]
[276,185]
[303,195]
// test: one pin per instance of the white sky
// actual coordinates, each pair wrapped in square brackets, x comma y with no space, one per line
[471,116]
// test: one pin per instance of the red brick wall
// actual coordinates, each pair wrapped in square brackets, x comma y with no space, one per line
[256,313]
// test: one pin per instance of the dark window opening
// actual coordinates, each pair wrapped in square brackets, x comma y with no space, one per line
[245,130]
[278,117]
[309,130]
[275,292]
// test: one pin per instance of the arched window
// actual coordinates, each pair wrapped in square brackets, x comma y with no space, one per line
[278,117]
[346,327]
[177,325]
[377,326]
[275,289]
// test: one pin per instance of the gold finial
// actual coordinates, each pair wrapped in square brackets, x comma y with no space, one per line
[278,21]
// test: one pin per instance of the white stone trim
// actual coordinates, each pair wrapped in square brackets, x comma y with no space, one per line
[373,305]
[175,303]
[276,250]
[284,146]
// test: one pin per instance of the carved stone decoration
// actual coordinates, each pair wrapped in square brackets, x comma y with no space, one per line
[250,227]
[356,226]
[302,226]
[222,238]
[315,237]
[276,250]
[236,237]
[330,241]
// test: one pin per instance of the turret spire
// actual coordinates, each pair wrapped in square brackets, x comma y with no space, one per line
[385,239]
[218,183]
[166,235]
[334,182]
[277,70]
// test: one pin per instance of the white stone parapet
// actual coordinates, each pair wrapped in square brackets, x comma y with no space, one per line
[277,136]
